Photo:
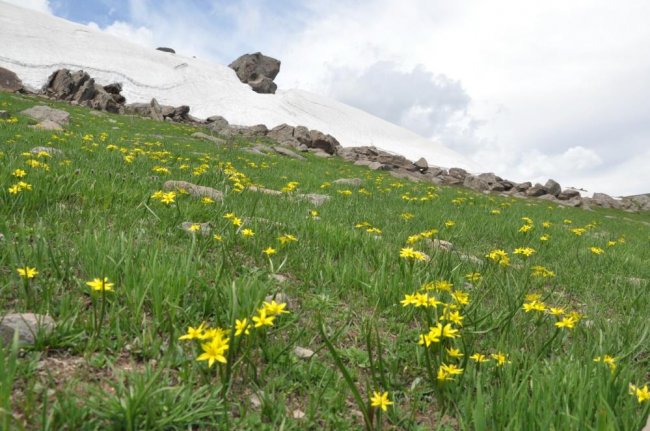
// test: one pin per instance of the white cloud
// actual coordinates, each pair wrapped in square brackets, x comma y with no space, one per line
[37,5]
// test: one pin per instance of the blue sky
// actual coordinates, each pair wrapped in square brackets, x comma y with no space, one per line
[529,89]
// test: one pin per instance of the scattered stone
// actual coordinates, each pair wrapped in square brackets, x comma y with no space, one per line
[406,175]
[165,49]
[280,298]
[299,414]
[42,113]
[553,187]
[605,201]
[255,400]
[47,125]
[9,81]
[49,150]
[314,198]
[258,71]
[4,115]
[27,325]
[442,244]
[213,139]
[288,153]
[303,353]
[265,191]
[320,153]
[279,278]
[458,173]
[573,202]
[217,121]
[2,237]
[204,228]
[193,189]
[355,182]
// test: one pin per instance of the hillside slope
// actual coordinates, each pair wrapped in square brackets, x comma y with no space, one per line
[37,44]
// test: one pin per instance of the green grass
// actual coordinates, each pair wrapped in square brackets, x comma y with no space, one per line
[115,360]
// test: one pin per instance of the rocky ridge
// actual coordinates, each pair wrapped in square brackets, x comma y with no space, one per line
[80,89]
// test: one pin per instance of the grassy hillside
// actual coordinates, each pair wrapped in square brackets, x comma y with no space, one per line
[516,315]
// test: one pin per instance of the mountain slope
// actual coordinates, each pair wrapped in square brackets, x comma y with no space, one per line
[34,45]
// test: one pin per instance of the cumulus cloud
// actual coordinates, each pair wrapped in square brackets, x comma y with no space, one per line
[416,99]
[37,5]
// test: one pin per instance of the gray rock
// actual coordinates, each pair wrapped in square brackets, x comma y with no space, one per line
[9,81]
[4,115]
[302,135]
[435,171]
[573,202]
[568,194]
[253,68]
[483,182]
[320,153]
[356,182]
[165,49]
[281,133]
[49,150]
[213,139]
[155,111]
[193,189]
[523,187]
[421,164]
[536,191]
[553,187]
[327,143]
[42,113]
[303,353]
[458,173]
[217,122]
[605,201]
[288,153]
[78,87]
[315,198]
[27,325]
[450,180]
[442,244]
[47,125]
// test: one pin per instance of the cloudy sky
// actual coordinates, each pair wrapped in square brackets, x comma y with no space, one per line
[531,90]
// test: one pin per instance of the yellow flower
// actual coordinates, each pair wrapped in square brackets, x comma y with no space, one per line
[525,228]
[546,224]
[447,331]
[194,227]
[461,297]
[207,200]
[247,233]
[495,212]
[446,372]
[540,271]
[642,394]
[217,237]
[380,400]
[545,237]
[435,332]
[450,223]
[534,306]
[409,253]
[556,311]
[597,250]
[19,173]
[499,256]
[501,358]
[194,333]
[269,251]
[273,308]
[406,216]
[99,284]
[526,251]
[236,221]
[479,357]
[27,272]
[214,350]
[454,353]
[473,276]
[168,198]
[242,327]
[578,231]
[262,319]
[566,322]
[287,238]
[607,359]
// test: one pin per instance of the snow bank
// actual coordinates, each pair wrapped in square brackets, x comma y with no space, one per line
[34,45]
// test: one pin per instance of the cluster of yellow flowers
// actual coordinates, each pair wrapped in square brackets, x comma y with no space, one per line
[409,253]
[167,198]
[565,319]
[499,256]
[238,179]
[368,227]
[412,239]
[290,187]
[214,342]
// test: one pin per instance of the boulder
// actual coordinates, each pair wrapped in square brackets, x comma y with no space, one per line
[523,187]
[281,133]
[605,201]
[553,187]
[536,191]
[27,325]
[9,81]
[288,153]
[78,87]
[258,71]
[49,150]
[216,121]
[327,143]
[567,194]
[435,171]
[45,113]
[458,173]
[483,182]
[355,182]
[213,139]
[421,164]
[193,189]
[165,49]
[47,125]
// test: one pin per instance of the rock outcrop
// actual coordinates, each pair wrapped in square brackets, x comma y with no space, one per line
[9,81]
[258,71]
[79,88]
[165,49]
[153,109]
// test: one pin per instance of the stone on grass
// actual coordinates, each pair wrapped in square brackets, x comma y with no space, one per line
[303,353]
[288,153]
[280,298]
[4,115]
[27,325]
[315,198]
[213,139]
[193,189]
[49,150]
[42,113]
[356,182]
